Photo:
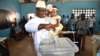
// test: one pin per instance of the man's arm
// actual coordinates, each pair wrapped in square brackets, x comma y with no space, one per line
[31,27]
[45,26]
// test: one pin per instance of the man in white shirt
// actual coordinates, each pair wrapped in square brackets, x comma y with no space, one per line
[91,25]
[40,25]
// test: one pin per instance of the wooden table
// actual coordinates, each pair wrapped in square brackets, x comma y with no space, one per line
[96,44]
[95,48]
[70,34]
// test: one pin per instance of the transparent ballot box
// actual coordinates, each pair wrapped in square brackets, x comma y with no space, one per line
[58,47]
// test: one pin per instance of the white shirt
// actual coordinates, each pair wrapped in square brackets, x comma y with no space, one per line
[84,24]
[39,35]
[92,21]
[32,25]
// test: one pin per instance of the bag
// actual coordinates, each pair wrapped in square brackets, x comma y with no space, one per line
[19,34]
[3,50]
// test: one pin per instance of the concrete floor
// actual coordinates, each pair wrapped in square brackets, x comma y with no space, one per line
[25,47]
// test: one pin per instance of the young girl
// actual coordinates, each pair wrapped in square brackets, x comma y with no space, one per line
[55,20]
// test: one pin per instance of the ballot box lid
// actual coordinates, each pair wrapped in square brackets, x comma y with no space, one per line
[62,45]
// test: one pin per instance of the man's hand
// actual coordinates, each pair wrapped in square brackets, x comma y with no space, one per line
[48,26]
[45,26]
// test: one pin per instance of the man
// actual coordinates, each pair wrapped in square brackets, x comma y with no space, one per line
[72,23]
[91,25]
[40,25]
[82,27]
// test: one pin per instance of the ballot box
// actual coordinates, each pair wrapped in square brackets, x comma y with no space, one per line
[58,47]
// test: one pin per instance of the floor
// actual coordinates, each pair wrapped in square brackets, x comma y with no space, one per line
[25,47]
[88,48]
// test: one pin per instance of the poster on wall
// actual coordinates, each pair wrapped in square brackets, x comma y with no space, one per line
[6,19]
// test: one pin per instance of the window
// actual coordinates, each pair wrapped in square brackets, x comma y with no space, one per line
[27,1]
[87,12]
[30,15]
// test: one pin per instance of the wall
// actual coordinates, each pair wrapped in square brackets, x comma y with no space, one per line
[66,8]
[27,8]
[9,5]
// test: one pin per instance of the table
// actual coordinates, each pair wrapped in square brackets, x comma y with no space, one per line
[4,51]
[96,43]
[70,34]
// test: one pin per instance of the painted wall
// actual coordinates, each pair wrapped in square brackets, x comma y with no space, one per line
[27,8]
[66,8]
[9,5]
